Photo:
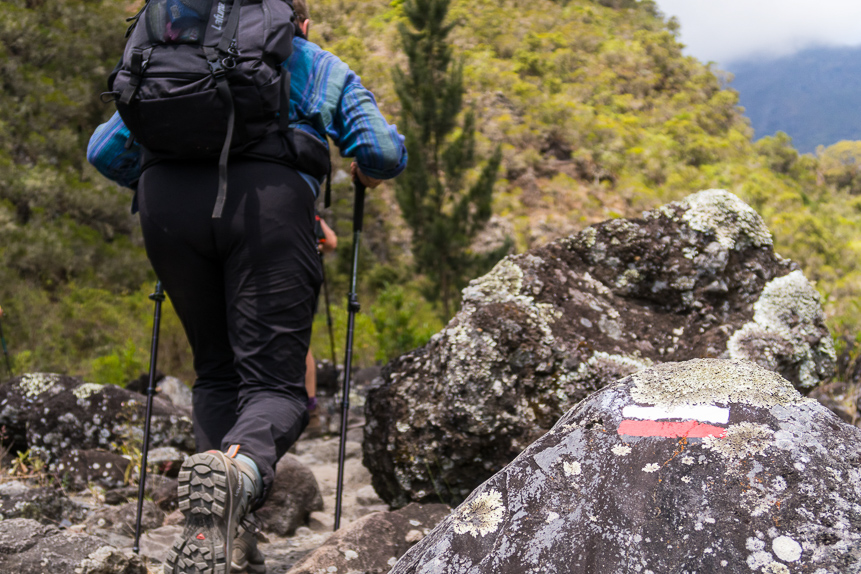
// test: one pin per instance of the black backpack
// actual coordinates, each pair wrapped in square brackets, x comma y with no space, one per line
[203,79]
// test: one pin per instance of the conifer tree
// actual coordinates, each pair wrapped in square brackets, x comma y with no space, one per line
[442,208]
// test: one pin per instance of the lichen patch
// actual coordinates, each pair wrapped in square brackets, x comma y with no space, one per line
[712,381]
[789,310]
[786,548]
[621,450]
[722,214]
[741,440]
[86,390]
[481,515]
[34,384]
[572,468]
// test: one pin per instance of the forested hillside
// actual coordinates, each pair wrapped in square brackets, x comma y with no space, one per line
[598,113]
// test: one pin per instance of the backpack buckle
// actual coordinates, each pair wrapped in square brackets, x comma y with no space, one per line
[216,67]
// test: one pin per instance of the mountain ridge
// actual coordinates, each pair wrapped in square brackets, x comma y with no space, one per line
[811,95]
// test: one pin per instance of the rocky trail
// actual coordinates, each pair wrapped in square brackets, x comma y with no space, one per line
[651,395]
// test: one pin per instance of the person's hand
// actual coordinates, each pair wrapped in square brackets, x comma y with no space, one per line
[367,180]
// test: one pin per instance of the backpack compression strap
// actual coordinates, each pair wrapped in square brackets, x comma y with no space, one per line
[219,66]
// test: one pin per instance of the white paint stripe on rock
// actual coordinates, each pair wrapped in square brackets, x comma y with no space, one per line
[702,413]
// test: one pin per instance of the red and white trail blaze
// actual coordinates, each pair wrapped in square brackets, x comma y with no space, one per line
[651,423]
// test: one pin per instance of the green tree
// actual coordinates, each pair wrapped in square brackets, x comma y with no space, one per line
[840,165]
[443,201]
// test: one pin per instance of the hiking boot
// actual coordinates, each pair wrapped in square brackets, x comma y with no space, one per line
[213,500]
[246,556]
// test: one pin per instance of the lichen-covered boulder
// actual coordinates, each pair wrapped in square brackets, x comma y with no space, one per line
[51,414]
[701,466]
[80,468]
[373,544]
[543,330]
[27,547]
[45,504]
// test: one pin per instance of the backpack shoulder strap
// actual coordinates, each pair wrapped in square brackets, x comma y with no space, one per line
[217,67]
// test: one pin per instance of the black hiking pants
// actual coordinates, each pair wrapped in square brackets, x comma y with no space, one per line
[244,287]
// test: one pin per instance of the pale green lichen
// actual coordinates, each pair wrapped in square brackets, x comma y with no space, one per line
[621,450]
[34,384]
[790,309]
[786,549]
[504,282]
[712,381]
[85,391]
[741,440]
[571,468]
[481,515]
[690,252]
[623,364]
[731,221]
[588,237]
[627,279]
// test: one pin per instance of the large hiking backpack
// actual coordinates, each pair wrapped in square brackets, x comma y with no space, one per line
[203,79]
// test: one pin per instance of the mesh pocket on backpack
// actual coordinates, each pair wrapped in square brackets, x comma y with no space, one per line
[177,21]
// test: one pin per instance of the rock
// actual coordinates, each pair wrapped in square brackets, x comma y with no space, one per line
[701,466]
[166,460]
[367,496]
[20,397]
[164,492]
[295,494]
[121,519]
[161,489]
[543,330]
[141,384]
[122,495]
[373,544]
[45,504]
[51,414]
[79,468]
[840,398]
[328,379]
[327,450]
[156,543]
[176,392]
[26,547]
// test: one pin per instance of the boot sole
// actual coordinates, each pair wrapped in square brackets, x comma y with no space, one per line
[206,500]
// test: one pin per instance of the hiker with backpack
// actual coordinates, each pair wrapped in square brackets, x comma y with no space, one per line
[226,194]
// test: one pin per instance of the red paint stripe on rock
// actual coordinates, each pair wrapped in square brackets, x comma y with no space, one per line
[690,429]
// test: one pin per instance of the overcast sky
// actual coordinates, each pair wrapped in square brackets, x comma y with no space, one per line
[725,30]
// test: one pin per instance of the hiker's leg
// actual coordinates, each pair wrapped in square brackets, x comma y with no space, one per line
[310,378]
[272,276]
[176,219]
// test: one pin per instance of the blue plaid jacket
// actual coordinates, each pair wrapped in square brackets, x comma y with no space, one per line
[326,99]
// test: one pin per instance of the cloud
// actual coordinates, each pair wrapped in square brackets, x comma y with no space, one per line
[727,30]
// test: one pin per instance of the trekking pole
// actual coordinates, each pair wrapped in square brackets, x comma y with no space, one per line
[158,297]
[353,307]
[6,351]
[328,312]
